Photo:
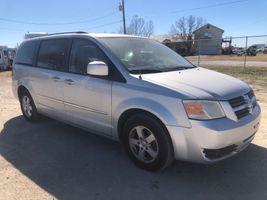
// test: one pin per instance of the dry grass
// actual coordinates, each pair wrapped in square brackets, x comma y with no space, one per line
[260,57]
[252,75]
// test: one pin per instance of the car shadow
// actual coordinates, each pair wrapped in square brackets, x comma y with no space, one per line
[69,163]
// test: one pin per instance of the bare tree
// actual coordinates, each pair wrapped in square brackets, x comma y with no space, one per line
[185,26]
[139,26]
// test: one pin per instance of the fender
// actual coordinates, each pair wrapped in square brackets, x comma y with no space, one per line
[148,105]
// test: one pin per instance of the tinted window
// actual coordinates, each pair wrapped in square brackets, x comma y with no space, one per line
[83,52]
[52,54]
[25,53]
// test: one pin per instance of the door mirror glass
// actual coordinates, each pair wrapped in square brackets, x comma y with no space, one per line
[97,68]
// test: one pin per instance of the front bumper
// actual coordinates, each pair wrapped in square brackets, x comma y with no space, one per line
[214,140]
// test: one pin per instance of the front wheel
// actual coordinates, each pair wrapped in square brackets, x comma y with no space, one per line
[147,142]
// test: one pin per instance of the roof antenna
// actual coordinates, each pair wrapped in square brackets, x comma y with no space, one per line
[140,75]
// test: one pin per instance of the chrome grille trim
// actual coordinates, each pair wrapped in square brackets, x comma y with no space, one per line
[243,105]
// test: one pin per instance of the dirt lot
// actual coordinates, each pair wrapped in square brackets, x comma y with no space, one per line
[51,160]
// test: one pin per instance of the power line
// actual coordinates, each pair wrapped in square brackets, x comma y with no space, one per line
[208,6]
[92,27]
[11,29]
[59,23]
[103,25]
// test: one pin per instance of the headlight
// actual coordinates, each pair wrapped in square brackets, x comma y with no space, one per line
[203,110]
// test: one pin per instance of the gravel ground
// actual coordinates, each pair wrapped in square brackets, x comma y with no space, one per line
[51,160]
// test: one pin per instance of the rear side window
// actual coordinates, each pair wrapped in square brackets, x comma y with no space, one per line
[83,52]
[25,54]
[52,54]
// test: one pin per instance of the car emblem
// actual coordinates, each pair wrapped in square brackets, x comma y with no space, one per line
[249,103]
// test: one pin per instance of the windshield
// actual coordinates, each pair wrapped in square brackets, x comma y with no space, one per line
[141,55]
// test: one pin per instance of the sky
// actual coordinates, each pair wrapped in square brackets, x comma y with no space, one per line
[236,17]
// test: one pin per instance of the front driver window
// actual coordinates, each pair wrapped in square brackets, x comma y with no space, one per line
[83,52]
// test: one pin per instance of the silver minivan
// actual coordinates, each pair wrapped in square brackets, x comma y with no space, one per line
[139,92]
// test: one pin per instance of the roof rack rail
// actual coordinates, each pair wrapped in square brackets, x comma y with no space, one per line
[79,32]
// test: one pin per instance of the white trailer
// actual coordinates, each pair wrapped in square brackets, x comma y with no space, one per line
[6,57]
[4,61]
[30,35]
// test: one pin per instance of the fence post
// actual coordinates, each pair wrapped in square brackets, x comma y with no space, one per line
[198,59]
[245,60]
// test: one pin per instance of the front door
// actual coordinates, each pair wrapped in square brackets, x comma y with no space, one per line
[87,98]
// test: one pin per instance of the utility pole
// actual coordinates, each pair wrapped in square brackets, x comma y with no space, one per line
[245,60]
[122,9]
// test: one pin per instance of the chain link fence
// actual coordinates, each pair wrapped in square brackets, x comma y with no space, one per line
[248,51]
[241,57]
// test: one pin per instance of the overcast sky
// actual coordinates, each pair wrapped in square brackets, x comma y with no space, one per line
[237,18]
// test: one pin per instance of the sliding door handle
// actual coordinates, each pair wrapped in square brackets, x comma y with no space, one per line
[55,78]
[69,81]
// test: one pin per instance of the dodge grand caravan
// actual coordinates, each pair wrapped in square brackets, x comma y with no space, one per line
[139,92]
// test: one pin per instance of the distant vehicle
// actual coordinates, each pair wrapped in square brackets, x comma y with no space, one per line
[265,50]
[254,49]
[6,57]
[11,55]
[239,51]
[260,50]
[4,62]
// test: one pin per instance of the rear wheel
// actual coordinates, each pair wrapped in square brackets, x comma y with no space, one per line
[28,107]
[147,142]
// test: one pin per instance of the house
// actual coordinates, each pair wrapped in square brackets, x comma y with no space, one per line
[175,42]
[208,40]
[165,39]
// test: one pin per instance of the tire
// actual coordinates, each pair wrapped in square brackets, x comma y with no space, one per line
[28,107]
[147,142]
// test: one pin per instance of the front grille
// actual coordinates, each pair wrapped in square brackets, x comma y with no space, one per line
[238,101]
[243,105]
[218,153]
[242,113]
[251,94]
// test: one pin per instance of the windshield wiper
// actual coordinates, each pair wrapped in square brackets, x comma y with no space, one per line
[145,71]
[177,68]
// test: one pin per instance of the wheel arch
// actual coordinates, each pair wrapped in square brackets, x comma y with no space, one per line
[133,111]
[24,87]
[21,89]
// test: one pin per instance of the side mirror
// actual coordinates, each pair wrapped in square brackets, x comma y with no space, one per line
[97,68]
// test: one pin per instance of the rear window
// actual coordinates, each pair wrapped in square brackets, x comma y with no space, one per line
[25,54]
[52,54]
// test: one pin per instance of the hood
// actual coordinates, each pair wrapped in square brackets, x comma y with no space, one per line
[200,83]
